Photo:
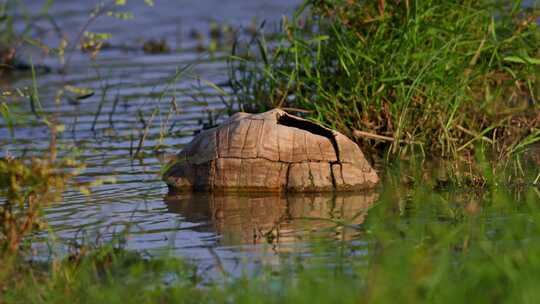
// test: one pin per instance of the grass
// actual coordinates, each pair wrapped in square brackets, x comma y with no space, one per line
[418,245]
[404,78]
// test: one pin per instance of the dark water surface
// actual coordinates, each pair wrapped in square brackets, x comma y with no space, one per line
[134,96]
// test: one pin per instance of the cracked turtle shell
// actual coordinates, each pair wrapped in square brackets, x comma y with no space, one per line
[271,151]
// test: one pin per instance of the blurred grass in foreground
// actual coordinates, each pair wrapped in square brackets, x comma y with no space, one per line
[418,244]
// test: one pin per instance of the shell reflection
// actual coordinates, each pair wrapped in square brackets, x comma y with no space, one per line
[274,219]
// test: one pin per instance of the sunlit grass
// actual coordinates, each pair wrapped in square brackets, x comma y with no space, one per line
[404,77]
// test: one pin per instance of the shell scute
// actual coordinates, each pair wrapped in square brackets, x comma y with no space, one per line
[202,149]
[268,142]
[285,143]
[251,142]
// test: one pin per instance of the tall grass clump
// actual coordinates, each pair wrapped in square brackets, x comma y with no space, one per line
[406,77]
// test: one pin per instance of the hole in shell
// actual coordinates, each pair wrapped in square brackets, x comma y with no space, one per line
[311,127]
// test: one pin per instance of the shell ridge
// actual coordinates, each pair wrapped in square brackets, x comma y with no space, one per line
[293,146]
[229,139]
[288,176]
[259,140]
[306,150]
[278,145]
[245,139]
[218,145]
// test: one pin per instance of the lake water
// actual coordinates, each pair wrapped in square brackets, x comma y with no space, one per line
[134,97]
[165,99]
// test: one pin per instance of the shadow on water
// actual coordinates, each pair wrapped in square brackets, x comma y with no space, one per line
[273,219]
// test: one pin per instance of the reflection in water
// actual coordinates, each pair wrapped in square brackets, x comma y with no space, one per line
[247,218]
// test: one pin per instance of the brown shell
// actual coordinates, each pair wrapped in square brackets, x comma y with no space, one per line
[271,151]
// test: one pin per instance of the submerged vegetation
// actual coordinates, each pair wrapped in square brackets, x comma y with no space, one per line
[453,80]
[435,78]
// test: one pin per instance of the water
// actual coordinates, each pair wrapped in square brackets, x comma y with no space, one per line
[154,96]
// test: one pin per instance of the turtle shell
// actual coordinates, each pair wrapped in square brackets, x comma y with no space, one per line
[271,151]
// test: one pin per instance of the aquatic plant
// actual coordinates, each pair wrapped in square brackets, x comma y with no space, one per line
[405,77]
[27,187]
